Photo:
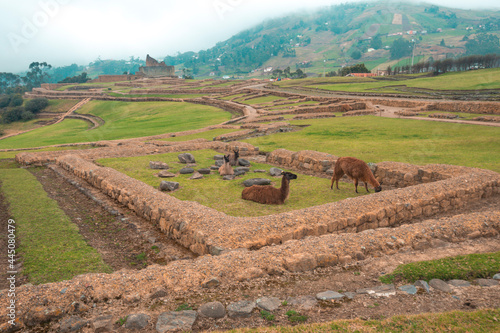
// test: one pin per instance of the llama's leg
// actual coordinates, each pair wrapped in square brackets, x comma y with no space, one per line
[333,180]
[356,185]
[366,186]
[337,176]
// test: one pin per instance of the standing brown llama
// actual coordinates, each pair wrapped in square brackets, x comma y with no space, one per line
[268,194]
[356,170]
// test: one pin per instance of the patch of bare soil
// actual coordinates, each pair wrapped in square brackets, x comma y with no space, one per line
[119,238]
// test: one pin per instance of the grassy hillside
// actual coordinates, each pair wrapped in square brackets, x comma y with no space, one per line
[326,39]
[122,120]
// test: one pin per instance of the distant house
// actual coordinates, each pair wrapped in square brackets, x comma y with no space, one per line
[361,74]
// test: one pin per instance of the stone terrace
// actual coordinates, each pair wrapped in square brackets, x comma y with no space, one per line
[425,191]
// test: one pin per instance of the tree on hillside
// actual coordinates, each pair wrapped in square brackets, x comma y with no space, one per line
[356,54]
[400,48]
[483,44]
[37,75]
[36,105]
[376,42]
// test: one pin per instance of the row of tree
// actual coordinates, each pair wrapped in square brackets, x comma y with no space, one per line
[449,65]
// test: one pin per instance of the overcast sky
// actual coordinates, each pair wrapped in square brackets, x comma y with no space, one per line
[62,32]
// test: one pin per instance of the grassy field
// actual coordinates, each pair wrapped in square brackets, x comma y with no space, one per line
[466,267]
[123,120]
[471,80]
[12,154]
[305,191]
[50,244]
[480,321]
[376,139]
[209,135]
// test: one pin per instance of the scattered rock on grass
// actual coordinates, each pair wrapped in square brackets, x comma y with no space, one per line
[256,181]
[186,158]
[169,186]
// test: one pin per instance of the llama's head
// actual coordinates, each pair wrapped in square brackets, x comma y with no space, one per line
[226,158]
[378,188]
[289,175]
[236,152]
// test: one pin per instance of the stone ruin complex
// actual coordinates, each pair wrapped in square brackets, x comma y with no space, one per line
[154,68]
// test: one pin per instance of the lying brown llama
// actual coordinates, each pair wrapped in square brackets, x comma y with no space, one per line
[233,157]
[226,169]
[356,170]
[268,194]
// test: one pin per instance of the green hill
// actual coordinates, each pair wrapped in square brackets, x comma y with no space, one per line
[342,35]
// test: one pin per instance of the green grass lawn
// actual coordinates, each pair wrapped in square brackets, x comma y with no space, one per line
[123,120]
[50,244]
[60,105]
[12,154]
[479,321]
[465,267]
[305,191]
[376,139]
[470,80]
[260,100]
[209,135]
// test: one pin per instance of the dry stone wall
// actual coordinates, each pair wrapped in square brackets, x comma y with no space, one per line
[205,230]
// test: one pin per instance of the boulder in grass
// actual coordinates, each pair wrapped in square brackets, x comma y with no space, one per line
[186,158]
[219,157]
[168,186]
[256,181]
[196,175]
[157,165]
[185,171]
[275,172]
[243,162]
[165,174]
[219,163]
[204,171]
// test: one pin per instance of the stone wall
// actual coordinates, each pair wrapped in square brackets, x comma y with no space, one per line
[205,230]
[115,78]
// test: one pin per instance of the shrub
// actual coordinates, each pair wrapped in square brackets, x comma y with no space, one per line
[12,115]
[36,105]
[27,115]
[5,101]
[16,100]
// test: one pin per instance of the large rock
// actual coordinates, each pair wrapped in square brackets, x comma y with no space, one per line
[204,171]
[169,186]
[268,303]
[212,310]
[219,163]
[165,174]
[256,181]
[243,162]
[440,285]
[186,158]
[196,175]
[329,295]
[242,308]
[186,171]
[176,321]
[137,321]
[486,282]
[155,165]
[275,172]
